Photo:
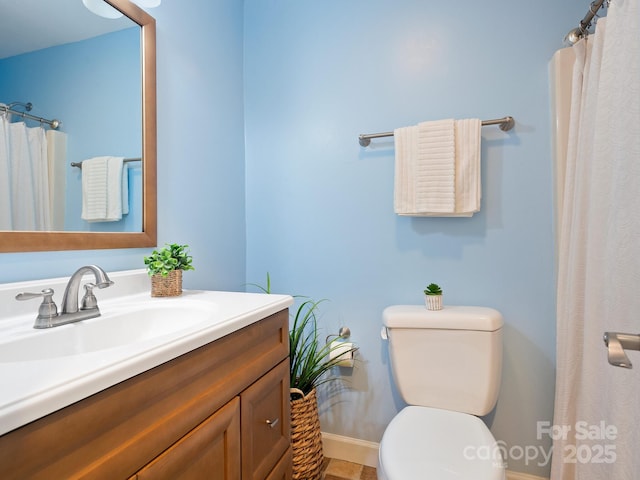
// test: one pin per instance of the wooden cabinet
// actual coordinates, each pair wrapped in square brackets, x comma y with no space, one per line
[282,471]
[211,450]
[266,423]
[219,412]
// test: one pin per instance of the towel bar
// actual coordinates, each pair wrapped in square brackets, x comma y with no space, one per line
[505,124]
[126,160]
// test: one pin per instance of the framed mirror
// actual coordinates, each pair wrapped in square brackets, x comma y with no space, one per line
[129,131]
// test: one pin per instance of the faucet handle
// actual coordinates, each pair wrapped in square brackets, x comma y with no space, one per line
[89,300]
[48,309]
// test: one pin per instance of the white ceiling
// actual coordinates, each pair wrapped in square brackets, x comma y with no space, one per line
[28,25]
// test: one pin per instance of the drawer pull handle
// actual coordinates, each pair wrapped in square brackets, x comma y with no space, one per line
[272,423]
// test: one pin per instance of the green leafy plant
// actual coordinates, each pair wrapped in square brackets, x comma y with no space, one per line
[309,357]
[433,289]
[171,257]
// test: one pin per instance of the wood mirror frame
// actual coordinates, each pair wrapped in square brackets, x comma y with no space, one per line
[52,241]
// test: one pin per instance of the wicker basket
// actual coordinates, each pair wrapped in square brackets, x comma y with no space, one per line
[306,440]
[169,286]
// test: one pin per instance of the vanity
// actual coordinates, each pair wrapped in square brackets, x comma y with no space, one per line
[206,399]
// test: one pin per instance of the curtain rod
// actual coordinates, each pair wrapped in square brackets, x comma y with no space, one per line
[505,123]
[126,160]
[581,30]
[7,109]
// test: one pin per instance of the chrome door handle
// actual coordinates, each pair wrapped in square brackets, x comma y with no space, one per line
[617,343]
[272,423]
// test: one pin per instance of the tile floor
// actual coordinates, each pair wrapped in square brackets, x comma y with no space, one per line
[335,469]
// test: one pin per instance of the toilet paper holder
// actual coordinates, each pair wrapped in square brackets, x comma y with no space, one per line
[340,351]
[344,333]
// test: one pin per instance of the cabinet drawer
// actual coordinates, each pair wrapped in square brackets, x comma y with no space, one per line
[266,422]
[211,450]
[283,470]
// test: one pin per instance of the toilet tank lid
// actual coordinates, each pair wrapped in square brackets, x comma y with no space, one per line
[449,318]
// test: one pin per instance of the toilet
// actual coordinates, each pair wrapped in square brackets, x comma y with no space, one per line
[447,366]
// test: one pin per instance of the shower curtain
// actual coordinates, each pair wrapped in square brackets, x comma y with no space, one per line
[596,429]
[24,177]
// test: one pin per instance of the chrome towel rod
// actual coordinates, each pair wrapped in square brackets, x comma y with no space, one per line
[505,124]
[126,160]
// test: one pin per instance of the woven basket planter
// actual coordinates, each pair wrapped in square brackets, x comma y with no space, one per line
[306,440]
[169,286]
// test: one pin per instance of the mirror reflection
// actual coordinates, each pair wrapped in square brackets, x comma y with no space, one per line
[86,73]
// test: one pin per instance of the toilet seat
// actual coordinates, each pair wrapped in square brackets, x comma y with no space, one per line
[429,443]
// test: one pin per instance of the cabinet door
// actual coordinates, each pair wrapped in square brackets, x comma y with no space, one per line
[209,451]
[266,422]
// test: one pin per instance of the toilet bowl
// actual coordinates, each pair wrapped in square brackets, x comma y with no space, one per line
[430,443]
[446,365]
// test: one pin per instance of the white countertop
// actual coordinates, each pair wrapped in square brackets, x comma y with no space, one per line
[34,388]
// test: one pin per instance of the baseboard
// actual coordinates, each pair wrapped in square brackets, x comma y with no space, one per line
[522,476]
[366,453]
[350,449]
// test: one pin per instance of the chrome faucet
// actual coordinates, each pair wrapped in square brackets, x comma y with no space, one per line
[48,315]
[70,297]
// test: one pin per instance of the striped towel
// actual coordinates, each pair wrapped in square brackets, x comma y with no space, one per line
[437,169]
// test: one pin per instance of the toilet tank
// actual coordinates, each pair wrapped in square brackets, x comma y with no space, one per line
[449,358]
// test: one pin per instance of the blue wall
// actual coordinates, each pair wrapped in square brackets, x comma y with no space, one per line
[200,152]
[319,212]
[320,208]
[91,86]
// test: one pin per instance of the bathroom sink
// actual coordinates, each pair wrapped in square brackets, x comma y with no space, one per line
[119,325]
[50,368]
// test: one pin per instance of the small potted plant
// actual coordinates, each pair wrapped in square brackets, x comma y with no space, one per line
[433,296]
[165,268]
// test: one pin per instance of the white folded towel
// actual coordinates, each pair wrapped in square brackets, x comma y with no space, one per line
[125,188]
[102,189]
[438,169]
[406,142]
[468,191]
[435,167]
